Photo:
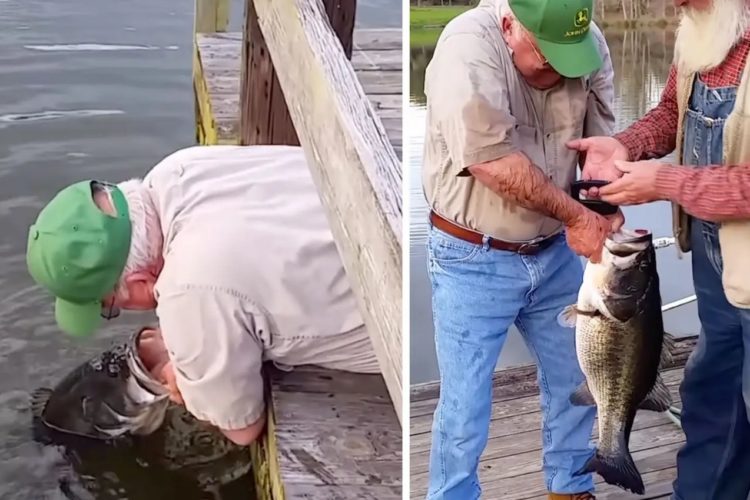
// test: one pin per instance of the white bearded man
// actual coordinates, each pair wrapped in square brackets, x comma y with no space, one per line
[704,116]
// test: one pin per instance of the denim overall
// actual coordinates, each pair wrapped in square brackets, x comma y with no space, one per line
[715,462]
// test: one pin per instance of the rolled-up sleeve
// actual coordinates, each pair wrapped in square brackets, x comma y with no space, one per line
[216,354]
[468,100]
[600,116]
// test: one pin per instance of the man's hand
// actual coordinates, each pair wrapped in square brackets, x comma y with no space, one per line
[168,378]
[636,186]
[154,355]
[601,153]
[616,220]
[587,233]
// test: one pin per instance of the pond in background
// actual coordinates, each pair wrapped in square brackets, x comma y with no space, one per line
[641,61]
[87,89]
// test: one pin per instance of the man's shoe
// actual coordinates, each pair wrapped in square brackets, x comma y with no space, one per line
[572,496]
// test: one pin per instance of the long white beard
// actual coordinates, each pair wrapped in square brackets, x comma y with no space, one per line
[704,39]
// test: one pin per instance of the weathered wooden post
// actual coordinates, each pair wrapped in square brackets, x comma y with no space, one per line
[264,117]
[211,16]
[290,45]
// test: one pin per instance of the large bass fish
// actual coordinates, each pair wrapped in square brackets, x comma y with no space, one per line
[125,440]
[620,344]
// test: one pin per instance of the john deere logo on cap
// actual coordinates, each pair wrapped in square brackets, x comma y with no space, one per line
[582,17]
[581,23]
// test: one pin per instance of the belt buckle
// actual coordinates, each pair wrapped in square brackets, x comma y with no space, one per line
[528,248]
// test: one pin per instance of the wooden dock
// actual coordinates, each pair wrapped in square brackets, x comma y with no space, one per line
[294,77]
[332,435]
[510,468]
[376,58]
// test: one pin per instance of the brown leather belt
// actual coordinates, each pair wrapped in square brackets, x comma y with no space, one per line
[526,248]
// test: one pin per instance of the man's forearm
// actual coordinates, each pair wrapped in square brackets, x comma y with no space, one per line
[246,435]
[514,177]
[709,193]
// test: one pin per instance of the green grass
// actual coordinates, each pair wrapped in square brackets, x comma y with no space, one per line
[434,17]
[424,37]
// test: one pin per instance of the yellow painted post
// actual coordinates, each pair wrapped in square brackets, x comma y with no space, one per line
[211,16]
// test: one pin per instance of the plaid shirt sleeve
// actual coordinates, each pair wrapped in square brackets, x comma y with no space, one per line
[654,135]
[712,193]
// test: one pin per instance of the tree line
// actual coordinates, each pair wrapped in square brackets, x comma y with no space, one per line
[626,10]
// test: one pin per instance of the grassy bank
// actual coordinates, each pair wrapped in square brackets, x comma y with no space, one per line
[433,17]
[424,37]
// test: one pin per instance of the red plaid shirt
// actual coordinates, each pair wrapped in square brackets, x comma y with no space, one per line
[708,193]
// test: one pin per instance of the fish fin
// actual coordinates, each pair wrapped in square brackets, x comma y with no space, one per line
[667,347]
[659,398]
[38,401]
[616,467]
[582,396]
[567,317]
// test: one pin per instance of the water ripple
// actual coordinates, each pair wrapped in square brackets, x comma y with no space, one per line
[89,47]
[53,115]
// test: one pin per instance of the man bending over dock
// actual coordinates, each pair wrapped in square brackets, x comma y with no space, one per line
[231,247]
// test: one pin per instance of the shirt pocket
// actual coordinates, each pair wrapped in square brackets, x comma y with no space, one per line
[526,139]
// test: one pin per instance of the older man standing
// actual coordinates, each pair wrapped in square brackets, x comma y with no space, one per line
[704,115]
[231,246]
[509,84]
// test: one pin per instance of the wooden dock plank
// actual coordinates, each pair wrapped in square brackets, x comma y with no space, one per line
[519,409]
[336,435]
[510,467]
[522,448]
[376,59]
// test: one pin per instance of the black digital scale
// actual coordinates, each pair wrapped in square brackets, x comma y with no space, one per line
[598,206]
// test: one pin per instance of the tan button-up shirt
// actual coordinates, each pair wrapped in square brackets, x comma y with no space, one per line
[479,108]
[251,273]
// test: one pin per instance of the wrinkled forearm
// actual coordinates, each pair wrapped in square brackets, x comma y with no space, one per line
[514,177]
[713,193]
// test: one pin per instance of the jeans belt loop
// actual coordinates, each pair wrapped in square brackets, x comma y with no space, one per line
[485,242]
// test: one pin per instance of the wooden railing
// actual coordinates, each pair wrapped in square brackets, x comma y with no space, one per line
[298,86]
[353,164]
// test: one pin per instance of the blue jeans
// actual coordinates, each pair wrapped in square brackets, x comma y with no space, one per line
[714,463]
[477,293]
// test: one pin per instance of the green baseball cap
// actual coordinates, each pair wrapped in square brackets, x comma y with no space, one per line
[561,29]
[78,253]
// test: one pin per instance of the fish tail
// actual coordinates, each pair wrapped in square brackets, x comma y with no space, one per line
[615,467]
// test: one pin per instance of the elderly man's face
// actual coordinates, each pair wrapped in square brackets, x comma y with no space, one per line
[527,57]
[708,31]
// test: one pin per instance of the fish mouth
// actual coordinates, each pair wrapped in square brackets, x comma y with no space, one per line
[149,396]
[138,369]
[628,241]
